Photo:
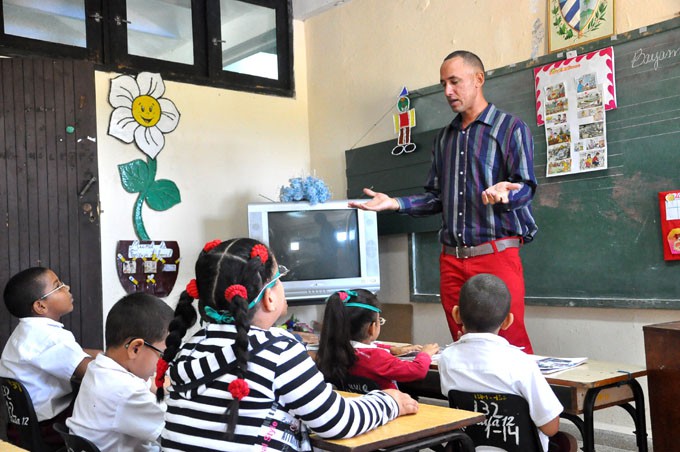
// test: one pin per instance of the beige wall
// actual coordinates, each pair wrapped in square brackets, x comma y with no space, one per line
[228,148]
[360,55]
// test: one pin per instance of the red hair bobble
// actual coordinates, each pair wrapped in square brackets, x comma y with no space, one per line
[210,245]
[192,289]
[161,369]
[260,251]
[233,290]
[239,388]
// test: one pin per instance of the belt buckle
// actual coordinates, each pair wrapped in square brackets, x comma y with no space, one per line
[463,249]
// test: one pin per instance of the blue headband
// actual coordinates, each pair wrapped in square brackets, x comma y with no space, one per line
[269,285]
[364,305]
[350,294]
[226,317]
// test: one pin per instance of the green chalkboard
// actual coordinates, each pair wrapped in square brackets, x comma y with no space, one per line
[599,241]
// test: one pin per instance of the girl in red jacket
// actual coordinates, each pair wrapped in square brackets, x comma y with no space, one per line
[347,346]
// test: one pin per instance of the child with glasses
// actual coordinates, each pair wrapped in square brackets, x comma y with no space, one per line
[347,346]
[115,407]
[41,353]
[238,384]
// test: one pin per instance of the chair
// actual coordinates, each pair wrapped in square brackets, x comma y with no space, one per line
[360,385]
[21,414]
[74,443]
[508,424]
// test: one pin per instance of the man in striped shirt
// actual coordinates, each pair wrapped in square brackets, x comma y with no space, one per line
[482,182]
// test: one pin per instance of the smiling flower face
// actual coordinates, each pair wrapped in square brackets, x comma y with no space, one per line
[141,113]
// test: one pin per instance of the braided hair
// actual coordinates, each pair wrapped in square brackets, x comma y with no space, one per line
[229,275]
[341,325]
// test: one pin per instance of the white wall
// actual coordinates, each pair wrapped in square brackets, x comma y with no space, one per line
[228,148]
[360,55]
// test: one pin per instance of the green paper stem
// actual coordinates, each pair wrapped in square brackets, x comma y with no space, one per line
[139,203]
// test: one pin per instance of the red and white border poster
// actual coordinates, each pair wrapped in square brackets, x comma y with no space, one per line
[571,98]
[669,207]
[599,62]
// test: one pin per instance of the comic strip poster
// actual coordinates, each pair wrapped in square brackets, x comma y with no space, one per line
[571,99]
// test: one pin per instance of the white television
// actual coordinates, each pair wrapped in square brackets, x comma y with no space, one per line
[327,247]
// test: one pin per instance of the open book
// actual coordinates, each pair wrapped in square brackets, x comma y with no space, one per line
[549,364]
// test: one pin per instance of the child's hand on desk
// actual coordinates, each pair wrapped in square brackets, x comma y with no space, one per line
[407,405]
[431,349]
[397,350]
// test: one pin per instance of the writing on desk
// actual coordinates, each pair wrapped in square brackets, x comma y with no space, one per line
[495,423]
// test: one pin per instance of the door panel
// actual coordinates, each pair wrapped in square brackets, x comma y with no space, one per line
[48,171]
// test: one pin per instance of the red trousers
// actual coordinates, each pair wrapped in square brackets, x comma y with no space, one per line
[507,265]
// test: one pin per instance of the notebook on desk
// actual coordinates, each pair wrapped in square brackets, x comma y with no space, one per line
[551,364]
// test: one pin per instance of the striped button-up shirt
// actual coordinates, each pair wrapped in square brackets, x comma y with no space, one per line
[495,147]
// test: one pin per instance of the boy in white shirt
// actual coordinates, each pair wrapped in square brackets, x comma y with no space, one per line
[482,361]
[40,353]
[115,408]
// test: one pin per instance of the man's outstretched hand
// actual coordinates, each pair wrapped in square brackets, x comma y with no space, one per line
[379,202]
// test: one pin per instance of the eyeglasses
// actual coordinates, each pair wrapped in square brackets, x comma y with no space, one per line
[59,287]
[156,349]
[382,320]
[280,273]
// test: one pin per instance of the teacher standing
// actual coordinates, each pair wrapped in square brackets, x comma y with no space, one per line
[482,182]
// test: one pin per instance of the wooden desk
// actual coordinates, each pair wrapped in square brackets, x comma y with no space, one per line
[430,426]
[7,447]
[662,352]
[582,390]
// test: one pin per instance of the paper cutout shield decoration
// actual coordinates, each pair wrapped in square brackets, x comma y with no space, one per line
[147,266]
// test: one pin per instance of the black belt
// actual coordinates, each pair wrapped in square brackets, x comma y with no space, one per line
[495,246]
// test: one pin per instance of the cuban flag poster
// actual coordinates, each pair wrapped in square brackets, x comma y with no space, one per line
[575,22]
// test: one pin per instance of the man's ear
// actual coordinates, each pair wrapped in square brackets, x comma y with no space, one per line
[509,319]
[479,78]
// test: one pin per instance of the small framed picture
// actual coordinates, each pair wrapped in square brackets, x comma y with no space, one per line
[576,22]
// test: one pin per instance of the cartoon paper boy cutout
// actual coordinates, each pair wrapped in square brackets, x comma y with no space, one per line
[403,121]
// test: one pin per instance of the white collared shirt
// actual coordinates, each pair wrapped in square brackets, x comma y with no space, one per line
[42,355]
[486,362]
[116,410]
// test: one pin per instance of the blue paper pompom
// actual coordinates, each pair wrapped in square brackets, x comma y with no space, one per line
[309,188]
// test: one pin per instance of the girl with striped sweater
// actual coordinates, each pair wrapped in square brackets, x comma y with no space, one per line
[240,385]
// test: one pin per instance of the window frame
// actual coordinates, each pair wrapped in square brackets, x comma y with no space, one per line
[107,47]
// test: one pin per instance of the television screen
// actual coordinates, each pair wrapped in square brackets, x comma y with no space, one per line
[326,246]
[316,245]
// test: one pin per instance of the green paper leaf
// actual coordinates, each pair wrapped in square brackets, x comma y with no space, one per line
[162,195]
[134,175]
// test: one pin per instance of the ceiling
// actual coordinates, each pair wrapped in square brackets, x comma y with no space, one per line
[304,9]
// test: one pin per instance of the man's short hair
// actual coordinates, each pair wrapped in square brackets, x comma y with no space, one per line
[23,289]
[484,303]
[138,315]
[469,57]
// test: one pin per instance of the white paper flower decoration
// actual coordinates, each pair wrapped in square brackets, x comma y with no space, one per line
[141,113]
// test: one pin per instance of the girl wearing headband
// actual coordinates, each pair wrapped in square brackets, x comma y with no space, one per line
[347,346]
[239,383]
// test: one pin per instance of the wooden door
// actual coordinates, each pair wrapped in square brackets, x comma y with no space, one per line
[48,184]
